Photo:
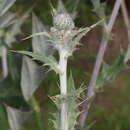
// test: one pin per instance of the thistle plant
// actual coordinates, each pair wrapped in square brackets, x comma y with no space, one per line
[108,72]
[64,38]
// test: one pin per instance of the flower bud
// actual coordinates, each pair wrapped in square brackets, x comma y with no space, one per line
[63,22]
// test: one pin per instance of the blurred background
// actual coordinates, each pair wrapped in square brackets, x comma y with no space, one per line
[110,109]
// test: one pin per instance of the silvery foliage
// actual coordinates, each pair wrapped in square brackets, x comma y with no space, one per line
[42,45]
[63,36]
[109,72]
[5,5]
[7,19]
[32,74]
[15,28]
[16,117]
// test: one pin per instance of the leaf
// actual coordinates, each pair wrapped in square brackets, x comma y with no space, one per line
[31,77]
[99,8]
[56,121]
[108,73]
[127,56]
[71,99]
[3,119]
[96,3]
[15,29]
[72,113]
[5,5]
[10,91]
[40,44]
[38,34]
[78,34]
[61,8]
[6,19]
[16,117]
[70,84]
[50,61]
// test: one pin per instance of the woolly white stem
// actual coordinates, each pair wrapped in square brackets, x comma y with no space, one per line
[4,62]
[63,88]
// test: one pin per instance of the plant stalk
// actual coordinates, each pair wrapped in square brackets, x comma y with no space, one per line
[63,89]
[37,113]
[92,84]
[126,18]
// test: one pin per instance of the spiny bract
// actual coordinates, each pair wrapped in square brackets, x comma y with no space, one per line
[63,21]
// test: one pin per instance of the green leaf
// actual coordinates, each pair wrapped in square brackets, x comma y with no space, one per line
[72,109]
[70,84]
[71,98]
[99,8]
[56,121]
[108,73]
[50,61]
[31,77]
[5,5]
[16,117]
[41,44]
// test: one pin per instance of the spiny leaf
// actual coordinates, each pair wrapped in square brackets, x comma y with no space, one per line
[99,8]
[50,61]
[56,121]
[38,34]
[71,98]
[70,84]
[108,72]
[78,34]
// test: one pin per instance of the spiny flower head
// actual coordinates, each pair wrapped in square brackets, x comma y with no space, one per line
[63,21]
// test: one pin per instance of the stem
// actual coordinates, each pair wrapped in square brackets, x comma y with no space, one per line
[63,88]
[126,18]
[4,62]
[37,113]
[91,88]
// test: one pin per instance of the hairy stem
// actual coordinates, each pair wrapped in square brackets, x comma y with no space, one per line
[126,18]
[91,88]
[37,113]
[63,89]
